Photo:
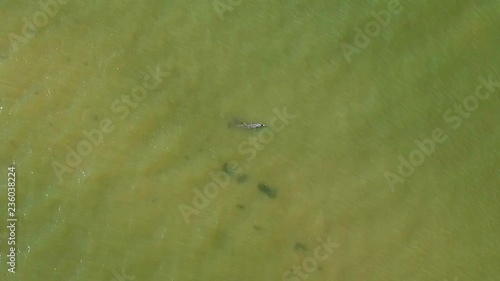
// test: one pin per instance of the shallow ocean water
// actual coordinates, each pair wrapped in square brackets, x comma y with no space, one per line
[116,116]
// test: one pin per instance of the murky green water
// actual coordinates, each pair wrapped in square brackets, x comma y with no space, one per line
[116,117]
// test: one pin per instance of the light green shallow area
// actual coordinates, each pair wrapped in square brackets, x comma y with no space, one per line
[110,162]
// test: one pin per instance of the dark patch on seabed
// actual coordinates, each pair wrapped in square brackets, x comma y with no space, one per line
[230,169]
[234,171]
[268,191]
[300,247]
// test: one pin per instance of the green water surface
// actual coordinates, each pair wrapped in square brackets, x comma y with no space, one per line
[117,116]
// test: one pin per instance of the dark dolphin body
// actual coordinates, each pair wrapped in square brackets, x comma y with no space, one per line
[251,125]
[247,125]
